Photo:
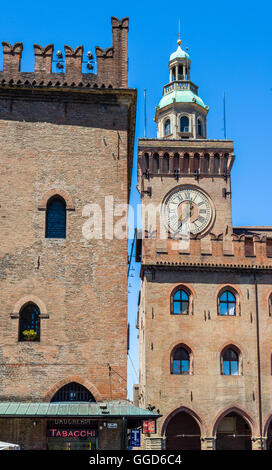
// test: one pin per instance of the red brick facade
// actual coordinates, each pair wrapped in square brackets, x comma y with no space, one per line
[222,258]
[69,134]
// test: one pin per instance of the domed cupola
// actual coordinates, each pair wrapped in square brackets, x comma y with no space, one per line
[181,113]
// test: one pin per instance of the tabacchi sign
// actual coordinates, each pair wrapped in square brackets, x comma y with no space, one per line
[71,433]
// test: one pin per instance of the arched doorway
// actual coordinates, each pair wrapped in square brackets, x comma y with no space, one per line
[69,431]
[233,433]
[73,391]
[182,432]
[269,436]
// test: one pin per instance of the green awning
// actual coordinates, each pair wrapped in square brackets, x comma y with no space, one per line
[111,409]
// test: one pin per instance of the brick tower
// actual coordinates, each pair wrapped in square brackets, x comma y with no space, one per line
[205,311]
[66,142]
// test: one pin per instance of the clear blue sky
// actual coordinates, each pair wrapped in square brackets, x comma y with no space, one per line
[230,46]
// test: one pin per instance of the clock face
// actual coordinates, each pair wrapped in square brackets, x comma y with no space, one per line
[188,210]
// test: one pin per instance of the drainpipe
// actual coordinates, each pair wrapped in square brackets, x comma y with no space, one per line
[258,360]
[124,434]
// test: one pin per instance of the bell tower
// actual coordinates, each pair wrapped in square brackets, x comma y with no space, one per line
[198,307]
[206,296]
[181,113]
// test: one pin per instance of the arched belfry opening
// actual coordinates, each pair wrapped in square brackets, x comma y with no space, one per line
[182,432]
[233,433]
[73,392]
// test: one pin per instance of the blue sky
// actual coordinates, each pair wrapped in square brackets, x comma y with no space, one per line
[230,47]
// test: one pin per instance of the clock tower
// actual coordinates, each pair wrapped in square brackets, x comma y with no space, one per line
[202,337]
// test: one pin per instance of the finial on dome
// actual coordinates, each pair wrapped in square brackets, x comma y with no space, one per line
[179,40]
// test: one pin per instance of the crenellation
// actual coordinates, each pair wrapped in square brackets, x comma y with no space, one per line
[227,250]
[112,64]
[12,56]
[73,62]
[43,58]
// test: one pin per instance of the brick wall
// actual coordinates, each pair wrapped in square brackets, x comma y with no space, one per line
[76,143]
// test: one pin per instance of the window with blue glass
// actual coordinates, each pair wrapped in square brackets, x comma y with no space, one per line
[167,127]
[180,302]
[180,361]
[184,124]
[230,362]
[227,303]
[56,218]
[29,323]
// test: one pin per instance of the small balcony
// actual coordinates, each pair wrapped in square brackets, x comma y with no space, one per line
[180,85]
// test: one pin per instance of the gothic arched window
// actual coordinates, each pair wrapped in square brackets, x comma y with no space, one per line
[184,124]
[180,364]
[56,218]
[73,392]
[180,301]
[29,323]
[230,362]
[167,127]
[227,303]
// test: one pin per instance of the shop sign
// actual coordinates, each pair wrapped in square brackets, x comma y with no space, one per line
[135,438]
[71,433]
[112,425]
[149,426]
[71,422]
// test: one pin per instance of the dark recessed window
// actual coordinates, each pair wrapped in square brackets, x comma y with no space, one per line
[165,164]
[230,362]
[199,127]
[180,303]
[156,163]
[56,218]
[29,323]
[146,160]
[180,362]
[249,246]
[270,304]
[184,124]
[180,72]
[73,392]
[227,303]
[167,127]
